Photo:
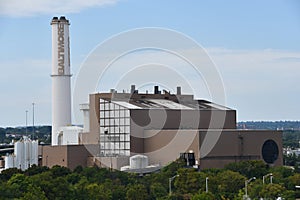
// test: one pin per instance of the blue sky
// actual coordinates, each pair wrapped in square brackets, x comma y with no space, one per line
[255,45]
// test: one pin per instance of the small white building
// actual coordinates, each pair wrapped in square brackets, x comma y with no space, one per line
[69,135]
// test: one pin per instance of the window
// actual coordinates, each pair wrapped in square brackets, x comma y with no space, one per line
[116,120]
[270,151]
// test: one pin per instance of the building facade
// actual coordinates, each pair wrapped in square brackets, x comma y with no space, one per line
[163,126]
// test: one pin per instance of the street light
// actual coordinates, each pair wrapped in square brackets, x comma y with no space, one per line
[297,186]
[170,183]
[246,184]
[33,121]
[206,184]
[26,120]
[271,178]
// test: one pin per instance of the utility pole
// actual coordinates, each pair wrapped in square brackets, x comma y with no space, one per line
[170,184]
[33,121]
[26,121]
[206,184]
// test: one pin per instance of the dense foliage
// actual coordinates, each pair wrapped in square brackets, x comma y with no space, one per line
[42,133]
[99,183]
[270,125]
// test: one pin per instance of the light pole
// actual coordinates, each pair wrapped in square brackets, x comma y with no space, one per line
[246,184]
[33,121]
[26,121]
[170,184]
[206,184]
[271,178]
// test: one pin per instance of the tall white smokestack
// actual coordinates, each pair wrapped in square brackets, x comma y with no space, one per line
[61,76]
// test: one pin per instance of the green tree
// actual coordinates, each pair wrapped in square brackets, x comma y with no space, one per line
[136,192]
[251,168]
[289,194]
[272,191]
[59,171]
[228,183]
[34,193]
[157,190]
[5,175]
[254,188]
[18,183]
[34,169]
[188,181]
[98,192]
[203,196]
[80,190]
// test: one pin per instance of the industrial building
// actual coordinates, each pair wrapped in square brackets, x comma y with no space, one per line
[161,127]
[155,128]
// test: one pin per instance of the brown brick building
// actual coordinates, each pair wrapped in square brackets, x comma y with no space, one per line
[162,126]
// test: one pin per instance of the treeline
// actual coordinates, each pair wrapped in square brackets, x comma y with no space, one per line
[42,133]
[291,139]
[99,183]
[270,125]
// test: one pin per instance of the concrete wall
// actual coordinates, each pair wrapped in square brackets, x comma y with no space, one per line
[54,155]
[182,119]
[238,145]
[165,146]
[68,156]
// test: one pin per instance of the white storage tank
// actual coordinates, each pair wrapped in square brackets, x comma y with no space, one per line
[19,153]
[138,162]
[9,161]
[34,153]
[25,154]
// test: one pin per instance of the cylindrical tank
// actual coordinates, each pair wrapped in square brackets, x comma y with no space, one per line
[34,153]
[19,153]
[9,161]
[61,76]
[27,154]
[138,162]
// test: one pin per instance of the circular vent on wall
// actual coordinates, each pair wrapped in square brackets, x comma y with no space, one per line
[270,151]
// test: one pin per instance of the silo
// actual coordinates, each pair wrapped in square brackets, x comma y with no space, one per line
[61,76]
[34,153]
[27,153]
[19,153]
[9,161]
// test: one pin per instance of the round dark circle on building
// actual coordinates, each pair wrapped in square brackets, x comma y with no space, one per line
[270,151]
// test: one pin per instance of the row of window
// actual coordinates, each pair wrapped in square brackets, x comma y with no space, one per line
[114,129]
[115,122]
[115,146]
[114,113]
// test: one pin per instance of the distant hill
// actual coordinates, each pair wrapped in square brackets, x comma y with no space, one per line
[270,125]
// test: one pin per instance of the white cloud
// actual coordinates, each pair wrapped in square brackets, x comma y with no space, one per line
[16,8]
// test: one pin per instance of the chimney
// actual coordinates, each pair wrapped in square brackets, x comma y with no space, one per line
[156,91]
[61,76]
[133,90]
[178,90]
[112,91]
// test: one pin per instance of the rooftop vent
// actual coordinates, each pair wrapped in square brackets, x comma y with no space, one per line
[178,90]
[156,90]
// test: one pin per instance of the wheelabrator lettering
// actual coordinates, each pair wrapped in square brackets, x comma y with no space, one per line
[61,49]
